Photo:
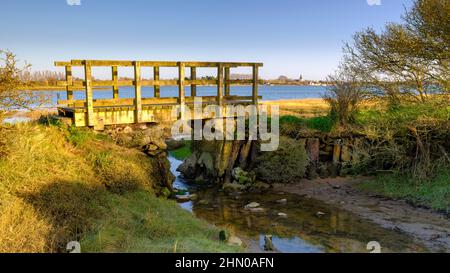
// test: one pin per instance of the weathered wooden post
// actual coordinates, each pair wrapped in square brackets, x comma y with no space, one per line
[89,94]
[255,85]
[337,151]
[69,80]
[193,78]
[227,84]
[115,79]
[181,84]
[137,92]
[220,84]
[313,150]
[156,88]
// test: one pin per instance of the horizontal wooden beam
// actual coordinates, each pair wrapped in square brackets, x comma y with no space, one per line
[155,63]
[108,83]
[148,101]
[63,63]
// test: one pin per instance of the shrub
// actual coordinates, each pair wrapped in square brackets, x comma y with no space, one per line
[10,84]
[285,165]
[411,138]
[343,96]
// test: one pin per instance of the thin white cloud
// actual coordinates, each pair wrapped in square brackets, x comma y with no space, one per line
[73,2]
[374,2]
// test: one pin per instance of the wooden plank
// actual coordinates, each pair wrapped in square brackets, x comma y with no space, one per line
[159,63]
[137,93]
[159,82]
[155,63]
[224,64]
[220,84]
[240,97]
[205,100]
[181,91]
[58,63]
[181,83]
[121,102]
[107,83]
[147,101]
[193,84]
[156,88]
[111,83]
[227,83]
[89,94]
[69,81]
[255,84]
[237,64]
[124,63]
[115,79]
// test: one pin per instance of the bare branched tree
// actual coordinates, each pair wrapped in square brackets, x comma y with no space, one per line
[345,94]
[408,61]
[11,95]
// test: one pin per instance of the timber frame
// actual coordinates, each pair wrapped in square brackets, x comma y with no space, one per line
[99,112]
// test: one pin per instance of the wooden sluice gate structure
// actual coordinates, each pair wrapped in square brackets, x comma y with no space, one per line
[99,112]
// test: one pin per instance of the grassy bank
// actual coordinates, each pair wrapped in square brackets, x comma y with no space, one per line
[434,194]
[412,139]
[408,140]
[59,185]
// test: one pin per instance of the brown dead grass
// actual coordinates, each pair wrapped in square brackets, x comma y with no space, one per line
[305,108]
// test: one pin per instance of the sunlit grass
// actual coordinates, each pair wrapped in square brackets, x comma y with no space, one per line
[59,185]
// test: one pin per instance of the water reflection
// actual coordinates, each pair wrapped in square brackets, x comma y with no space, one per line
[15,120]
[291,245]
[310,226]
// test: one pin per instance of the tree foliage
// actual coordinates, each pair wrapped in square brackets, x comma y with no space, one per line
[407,61]
[11,97]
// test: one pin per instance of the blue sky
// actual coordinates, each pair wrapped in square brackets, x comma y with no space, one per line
[291,37]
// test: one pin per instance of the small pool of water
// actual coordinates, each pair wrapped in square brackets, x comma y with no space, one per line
[15,120]
[311,226]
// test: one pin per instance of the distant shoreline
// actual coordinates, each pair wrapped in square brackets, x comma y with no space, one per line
[56,88]
[62,88]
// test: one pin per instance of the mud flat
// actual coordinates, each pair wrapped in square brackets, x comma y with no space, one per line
[427,227]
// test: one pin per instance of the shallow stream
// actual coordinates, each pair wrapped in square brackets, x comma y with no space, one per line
[305,225]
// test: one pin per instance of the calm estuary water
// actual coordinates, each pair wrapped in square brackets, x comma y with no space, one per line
[279,92]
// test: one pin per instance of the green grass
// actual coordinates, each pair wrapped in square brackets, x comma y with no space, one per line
[140,222]
[78,136]
[434,194]
[60,185]
[183,152]
[321,123]
[404,114]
